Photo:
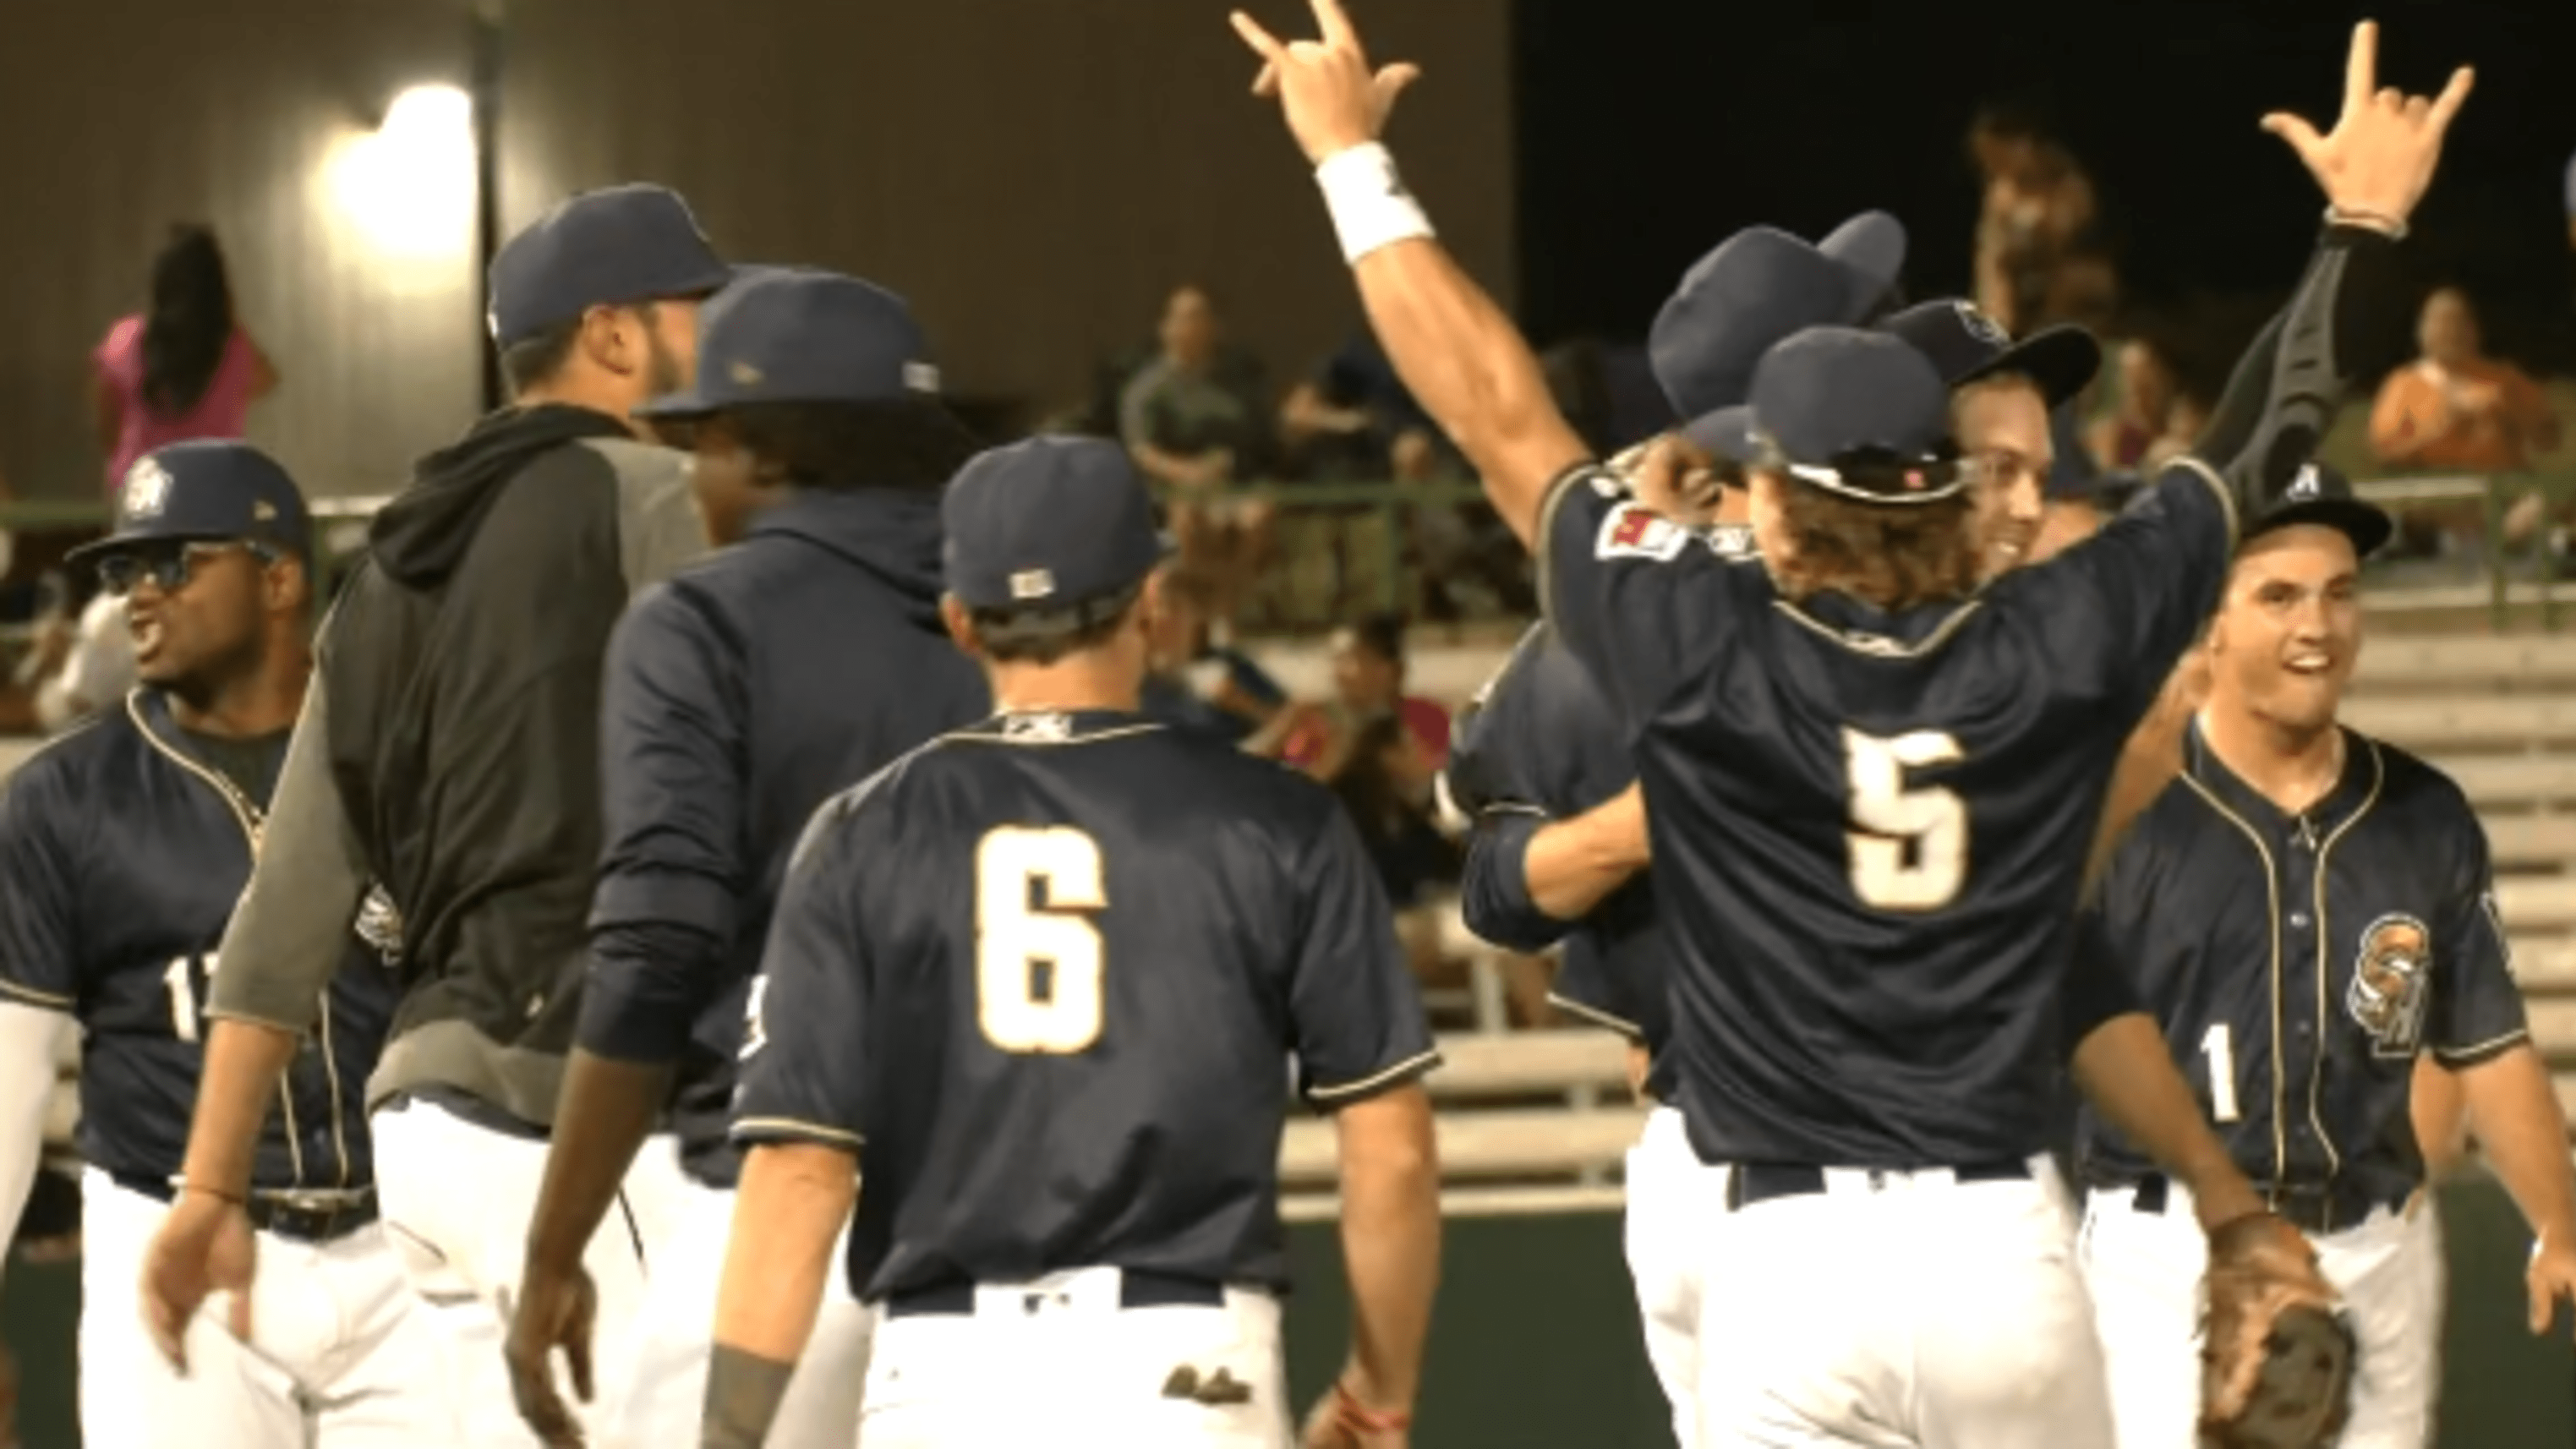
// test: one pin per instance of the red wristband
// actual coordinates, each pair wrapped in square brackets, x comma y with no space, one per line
[1359,1417]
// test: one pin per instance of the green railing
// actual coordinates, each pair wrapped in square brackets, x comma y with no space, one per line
[1344,545]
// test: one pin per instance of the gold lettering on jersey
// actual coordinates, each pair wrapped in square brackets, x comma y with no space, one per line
[2391,981]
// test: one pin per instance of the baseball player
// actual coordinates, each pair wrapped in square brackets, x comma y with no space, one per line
[1041,977]
[2307,914]
[1558,849]
[742,694]
[447,764]
[1870,786]
[122,848]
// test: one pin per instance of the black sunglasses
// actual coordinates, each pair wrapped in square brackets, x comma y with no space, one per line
[168,565]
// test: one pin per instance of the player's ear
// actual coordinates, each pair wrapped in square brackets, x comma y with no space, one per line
[288,585]
[961,626]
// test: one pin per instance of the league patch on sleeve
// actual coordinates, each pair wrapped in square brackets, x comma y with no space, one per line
[1632,531]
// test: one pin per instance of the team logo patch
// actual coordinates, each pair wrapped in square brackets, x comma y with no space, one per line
[1048,727]
[2305,486]
[921,377]
[744,374]
[1980,326]
[2391,983]
[1730,540]
[380,925]
[147,489]
[1633,531]
[1032,584]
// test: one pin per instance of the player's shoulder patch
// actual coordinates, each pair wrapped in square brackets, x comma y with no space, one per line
[1730,541]
[1633,530]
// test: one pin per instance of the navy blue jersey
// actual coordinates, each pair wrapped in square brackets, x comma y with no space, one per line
[1055,973]
[2298,964]
[1541,744]
[122,850]
[739,696]
[1869,829]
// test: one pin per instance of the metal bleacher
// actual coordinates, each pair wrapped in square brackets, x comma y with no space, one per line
[1540,1121]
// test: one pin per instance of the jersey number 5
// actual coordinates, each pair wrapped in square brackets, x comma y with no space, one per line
[1013,938]
[1909,848]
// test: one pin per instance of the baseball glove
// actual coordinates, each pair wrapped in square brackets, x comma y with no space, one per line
[2276,1355]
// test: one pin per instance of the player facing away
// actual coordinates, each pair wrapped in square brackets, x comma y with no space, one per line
[1870,785]
[1557,853]
[123,846]
[447,761]
[1044,982]
[794,662]
[2307,913]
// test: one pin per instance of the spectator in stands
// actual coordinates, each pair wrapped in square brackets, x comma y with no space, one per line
[2144,411]
[2456,408]
[1368,685]
[1198,684]
[184,369]
[1198,432]
[2037,210]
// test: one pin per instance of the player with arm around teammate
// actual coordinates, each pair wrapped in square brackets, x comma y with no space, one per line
[1870,785]
[1557,852]
[1040,979]
[2309,913]
[758,682]
[123,847]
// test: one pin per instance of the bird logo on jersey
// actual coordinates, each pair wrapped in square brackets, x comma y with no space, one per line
[380,925]
[2391,980]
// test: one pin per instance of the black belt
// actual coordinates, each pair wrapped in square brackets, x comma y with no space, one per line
[1753,1182]
[1136,1289]
[2310,1209]
[314,1217]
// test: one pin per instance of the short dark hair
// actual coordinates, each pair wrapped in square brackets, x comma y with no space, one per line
[1050,633]
[535,359]
[1380,633]
[912,444]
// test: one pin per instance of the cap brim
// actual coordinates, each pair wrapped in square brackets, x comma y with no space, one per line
[98,548]
[2062,360]
[676,406]
[1726,433]
[2366,524]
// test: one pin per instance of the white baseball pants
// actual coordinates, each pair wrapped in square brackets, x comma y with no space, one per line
[1898,1310]
[668,1381]
[1058,1361]
[457,1202]
[1672,1198]
[340,1354]
[2145,1270]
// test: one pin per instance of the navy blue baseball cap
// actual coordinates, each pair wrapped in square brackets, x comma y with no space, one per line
[1048,523]
[202,491]
[1755,288]
[1967,345]
[785,334]
[609,248]
[1857,413]
[2320,494]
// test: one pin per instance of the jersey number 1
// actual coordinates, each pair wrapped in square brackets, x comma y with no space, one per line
[1909,848]
[187,1000]
[1013,937]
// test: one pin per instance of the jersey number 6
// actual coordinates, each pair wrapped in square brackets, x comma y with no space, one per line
[1012,937]
[1909,848]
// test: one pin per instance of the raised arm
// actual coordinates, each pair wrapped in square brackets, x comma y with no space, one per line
[2374,167]
[1462,359]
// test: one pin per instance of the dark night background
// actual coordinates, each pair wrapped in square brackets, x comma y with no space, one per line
[1648,131]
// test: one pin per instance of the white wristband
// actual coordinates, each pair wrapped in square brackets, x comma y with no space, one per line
[1369,203]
